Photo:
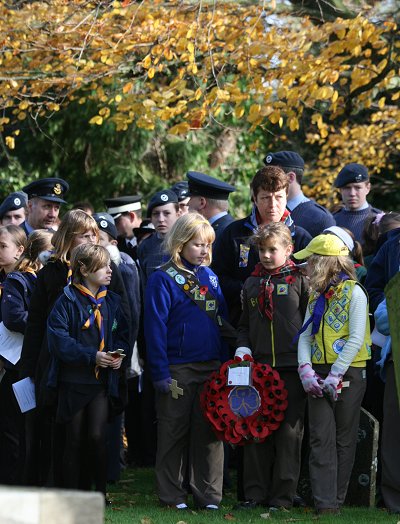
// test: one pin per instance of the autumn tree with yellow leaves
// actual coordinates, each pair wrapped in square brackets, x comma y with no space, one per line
[258,68]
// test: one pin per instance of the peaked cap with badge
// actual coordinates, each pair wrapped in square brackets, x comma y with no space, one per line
[204,185]
[351,174]
[13,202]
[52,189]
[284,159]
[161,198]
[117,206]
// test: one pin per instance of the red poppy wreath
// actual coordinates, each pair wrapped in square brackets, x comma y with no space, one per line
[244,414]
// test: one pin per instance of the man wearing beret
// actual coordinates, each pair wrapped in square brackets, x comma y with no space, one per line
[13,209]
[182,192]
[127,214]
[305,212]
[45,197]
[209,197]
[163,210]
[354,186]
[234,257]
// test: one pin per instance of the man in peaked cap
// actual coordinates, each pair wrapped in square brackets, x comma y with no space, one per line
[305,212]
[13,209]
[163,210]
[354,186]
[209,197]
[182,192]
[45,197]
[127,214]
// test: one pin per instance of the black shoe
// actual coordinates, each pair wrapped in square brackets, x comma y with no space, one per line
[107,502]
[247,504]
[299,502]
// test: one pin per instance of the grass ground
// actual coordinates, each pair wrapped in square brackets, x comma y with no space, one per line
[135,502]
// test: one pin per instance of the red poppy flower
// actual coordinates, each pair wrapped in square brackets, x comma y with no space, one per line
[290,279]
[329,294]
[203,290]
[259,430]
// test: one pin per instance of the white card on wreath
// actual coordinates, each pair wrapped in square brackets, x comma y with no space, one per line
[239,376]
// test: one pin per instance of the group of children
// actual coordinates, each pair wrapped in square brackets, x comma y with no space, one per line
[308,321]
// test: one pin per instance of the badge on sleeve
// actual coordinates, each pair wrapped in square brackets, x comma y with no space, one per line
[282,289]
[244,255]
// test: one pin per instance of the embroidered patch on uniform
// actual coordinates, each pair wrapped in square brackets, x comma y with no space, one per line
[337,346]
[282,289]
[253,302]
[171,272]
[243,255]
[115,325]
[214,282]
[210,305]
[180,279]
[198,295]
[186,287]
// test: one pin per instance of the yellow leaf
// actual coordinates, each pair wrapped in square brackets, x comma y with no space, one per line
[223,95]
[118,98]
[127,87]
[179,129]
[147,62]
[190,47]
[239,111]
[21,116]
[381,103]
[293,124]
[198,94]
[98,120]
[396,96]
[151,72]
[104,112]
[10,142]
[274,117]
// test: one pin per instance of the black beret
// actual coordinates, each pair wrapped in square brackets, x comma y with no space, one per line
[351,174]
[181,189]
[52,189]
[117,206]
[12,202]
[286,159]
[105,224]
[161,198]
[208,186]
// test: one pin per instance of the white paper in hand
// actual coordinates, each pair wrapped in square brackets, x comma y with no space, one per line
[10,344]
[24,391]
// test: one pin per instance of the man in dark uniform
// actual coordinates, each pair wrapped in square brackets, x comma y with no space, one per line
[209,197]
[13,209]
[127,214]
[45,197]
[354,186]
[305,212]
[234,258]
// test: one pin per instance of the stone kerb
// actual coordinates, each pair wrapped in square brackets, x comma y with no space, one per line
[23,505]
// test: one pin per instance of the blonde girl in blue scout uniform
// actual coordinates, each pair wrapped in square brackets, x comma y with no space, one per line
[333,348]
[182,302]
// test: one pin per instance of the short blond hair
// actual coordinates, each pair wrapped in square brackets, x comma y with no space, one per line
[277,231]
[75,222]
[185,229]
[90,257]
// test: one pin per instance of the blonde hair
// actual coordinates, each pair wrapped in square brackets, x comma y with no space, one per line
[75,222]
[275,231]
[38,241]
[325,269]
[90,257]
[17,234]
[184,229]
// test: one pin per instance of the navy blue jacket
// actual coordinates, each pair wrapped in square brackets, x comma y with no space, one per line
[220,224]
[64,333]
[312,217]
[177,331]
[230,267]
[383,267]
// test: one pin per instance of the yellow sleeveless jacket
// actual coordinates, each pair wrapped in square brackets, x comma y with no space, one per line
[334,329]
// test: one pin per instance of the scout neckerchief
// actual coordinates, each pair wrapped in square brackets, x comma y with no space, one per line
[31,273]
[265,293]
[319,307]
[69,274]
[95,313]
